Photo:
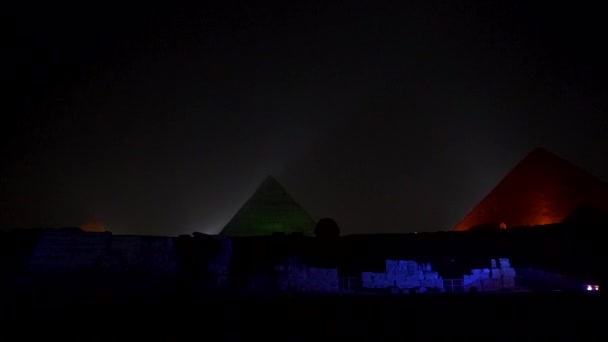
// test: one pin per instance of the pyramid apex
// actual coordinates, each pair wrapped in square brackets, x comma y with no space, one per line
[269,210]
[270,182]
[542,150]
[539,149]
[270,178]
[91,224]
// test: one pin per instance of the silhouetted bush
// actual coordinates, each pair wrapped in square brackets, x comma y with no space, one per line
[327,228]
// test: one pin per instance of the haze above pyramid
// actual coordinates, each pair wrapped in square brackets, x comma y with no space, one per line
[543,188]
[269,210]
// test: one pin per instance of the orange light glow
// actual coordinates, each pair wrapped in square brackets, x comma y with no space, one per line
[542,189]
[91,225]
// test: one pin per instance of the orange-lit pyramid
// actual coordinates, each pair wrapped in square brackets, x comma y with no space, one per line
[92,225]
[542,189]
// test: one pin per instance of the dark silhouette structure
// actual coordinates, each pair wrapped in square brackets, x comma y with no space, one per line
[327,228]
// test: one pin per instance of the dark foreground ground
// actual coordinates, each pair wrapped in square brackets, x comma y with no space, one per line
[103,316]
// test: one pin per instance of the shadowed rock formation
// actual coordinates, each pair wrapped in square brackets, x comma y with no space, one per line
[542,189]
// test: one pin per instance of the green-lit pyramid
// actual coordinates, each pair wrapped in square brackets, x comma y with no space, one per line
[269,210]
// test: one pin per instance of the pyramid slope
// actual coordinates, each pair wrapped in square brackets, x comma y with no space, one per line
[542,189]
[269,210]
[92,225]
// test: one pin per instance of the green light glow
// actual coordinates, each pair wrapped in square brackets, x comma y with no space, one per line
[270,210]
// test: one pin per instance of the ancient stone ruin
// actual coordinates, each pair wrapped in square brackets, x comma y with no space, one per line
[403,275]
[295,277]
[406,275]
[219,265]
[69,258]
[491,279]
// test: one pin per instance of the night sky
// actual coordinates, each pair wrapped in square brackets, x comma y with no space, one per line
[163,120]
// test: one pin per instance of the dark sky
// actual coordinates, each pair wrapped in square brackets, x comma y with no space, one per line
[163,120]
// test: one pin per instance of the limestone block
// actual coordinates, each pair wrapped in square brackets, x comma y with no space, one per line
[414,277]
[508,282]
[431,275]
[69,251]
[508,272]
[399,277]
[493,263]
[383,282]
[315,279]
[485,274]
[125,251]
[408,284]
[431,283]
[477,284]
[469,279]
[496,274]
[504,262]
[400,273]
[375,280]
[490,284]
[412,266]
[427,283]
[392,266]
[367,279]
[380,280]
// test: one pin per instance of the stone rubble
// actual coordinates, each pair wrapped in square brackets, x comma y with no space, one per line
[118,257]
[491,279]
[64,256]
[303,278]
[404,275]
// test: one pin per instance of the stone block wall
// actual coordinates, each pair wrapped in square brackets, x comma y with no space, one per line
[491,279]
[66,257]
[142,254]
[219,265]
[115,260]
[303,278]
[67,251]
[404,275]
